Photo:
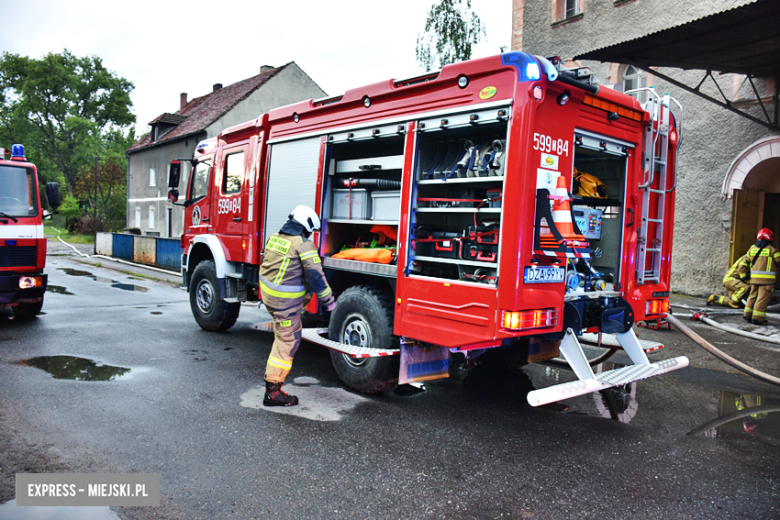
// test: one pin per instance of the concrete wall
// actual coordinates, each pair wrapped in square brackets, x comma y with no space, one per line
[713,137]
[143,196]
[289,86]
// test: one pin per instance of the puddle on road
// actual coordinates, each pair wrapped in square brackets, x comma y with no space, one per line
[75,368]
[741,415]
[114,283]
[57,289]
[11,511]
[317,403]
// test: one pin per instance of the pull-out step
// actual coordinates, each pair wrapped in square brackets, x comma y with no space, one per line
[611,341]
[589,382]
[316,336]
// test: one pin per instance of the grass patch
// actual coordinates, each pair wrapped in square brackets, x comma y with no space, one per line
[51,229]
[141,275]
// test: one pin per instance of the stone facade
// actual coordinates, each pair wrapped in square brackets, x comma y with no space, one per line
[713,138]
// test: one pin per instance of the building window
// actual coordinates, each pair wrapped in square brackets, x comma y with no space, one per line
[565,10]
[571,8]
[152,179]
[635,78]
[138,218]
[151,217]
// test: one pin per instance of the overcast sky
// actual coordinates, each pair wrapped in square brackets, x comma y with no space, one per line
[166,48]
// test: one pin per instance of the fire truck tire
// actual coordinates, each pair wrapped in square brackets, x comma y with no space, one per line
[211,312]
[364,316]
[26,311]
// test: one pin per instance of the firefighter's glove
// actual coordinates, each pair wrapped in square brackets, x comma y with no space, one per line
[330,307]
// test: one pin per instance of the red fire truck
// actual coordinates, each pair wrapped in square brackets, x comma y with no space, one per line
[22,245]
[525,208]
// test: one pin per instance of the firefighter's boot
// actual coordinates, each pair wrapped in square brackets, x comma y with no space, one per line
[275,396]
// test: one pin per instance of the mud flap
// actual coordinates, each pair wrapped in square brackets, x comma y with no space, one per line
[423,363]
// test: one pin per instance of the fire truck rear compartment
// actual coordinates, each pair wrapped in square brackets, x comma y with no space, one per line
[601,219]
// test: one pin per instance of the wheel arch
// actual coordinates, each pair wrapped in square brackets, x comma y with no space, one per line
[208,247]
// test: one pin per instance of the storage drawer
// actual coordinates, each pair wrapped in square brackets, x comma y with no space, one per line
[385,205]
[356,199]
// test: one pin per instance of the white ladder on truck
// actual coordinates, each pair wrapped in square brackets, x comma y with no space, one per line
[656,142]
[589,382]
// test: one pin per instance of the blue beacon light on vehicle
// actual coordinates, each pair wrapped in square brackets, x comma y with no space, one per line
[17,151]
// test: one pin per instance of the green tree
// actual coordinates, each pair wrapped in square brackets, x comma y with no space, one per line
[451,31]
[64,108]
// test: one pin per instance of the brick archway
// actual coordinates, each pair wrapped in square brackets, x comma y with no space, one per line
[740,167]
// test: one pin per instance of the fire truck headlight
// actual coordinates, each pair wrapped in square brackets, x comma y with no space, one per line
[537,93]
[28,282]
[532,71]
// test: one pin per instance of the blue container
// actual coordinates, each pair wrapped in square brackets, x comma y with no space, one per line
[123,246]
[169,252]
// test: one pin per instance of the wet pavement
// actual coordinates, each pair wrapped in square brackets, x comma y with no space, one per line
[702,442]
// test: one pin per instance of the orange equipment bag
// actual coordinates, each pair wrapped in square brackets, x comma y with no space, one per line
[379,255]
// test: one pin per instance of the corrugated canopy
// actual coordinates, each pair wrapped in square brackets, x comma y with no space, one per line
[743,40]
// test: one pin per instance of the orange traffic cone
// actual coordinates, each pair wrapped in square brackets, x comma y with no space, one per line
[561,213]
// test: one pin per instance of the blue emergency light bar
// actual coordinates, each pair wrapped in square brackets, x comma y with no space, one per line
[17,150]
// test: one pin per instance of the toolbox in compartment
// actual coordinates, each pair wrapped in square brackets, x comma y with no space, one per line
[440,244]
[351,204]
[479,252]
[385,205]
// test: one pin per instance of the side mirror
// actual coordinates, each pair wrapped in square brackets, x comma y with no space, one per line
[53,194]
[173,178]
[173,196]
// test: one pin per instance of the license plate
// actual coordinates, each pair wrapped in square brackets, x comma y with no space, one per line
[544,274]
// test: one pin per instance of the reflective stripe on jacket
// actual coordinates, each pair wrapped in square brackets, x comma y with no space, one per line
[291,267]
[764,265]
[737,270]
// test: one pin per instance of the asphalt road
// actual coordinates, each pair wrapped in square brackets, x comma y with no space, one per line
[188,409]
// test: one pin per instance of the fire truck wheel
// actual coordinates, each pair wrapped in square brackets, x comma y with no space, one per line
[211,312]
[364,317]
[26,311]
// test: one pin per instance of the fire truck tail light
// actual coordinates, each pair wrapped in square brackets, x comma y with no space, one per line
[28,282]
[538,93]
[657,307]
[532,319]
[673,136]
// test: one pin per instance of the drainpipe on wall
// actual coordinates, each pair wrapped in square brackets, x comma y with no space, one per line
[127,195]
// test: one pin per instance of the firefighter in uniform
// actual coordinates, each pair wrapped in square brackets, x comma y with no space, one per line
[735,284]
[763,259]
[290,272]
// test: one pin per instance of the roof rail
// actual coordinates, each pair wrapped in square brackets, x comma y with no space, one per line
[321,102]
[428,76]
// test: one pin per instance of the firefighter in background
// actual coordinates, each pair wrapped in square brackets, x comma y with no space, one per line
[763,259]
[736,284]
[290,271]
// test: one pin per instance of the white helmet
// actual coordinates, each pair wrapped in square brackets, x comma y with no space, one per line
[306,217]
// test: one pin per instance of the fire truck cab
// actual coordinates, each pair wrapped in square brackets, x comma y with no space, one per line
[523,206]
[22,244]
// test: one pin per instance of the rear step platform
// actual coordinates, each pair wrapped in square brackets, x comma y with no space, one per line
[611,341]
[589,382]
[316,336]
